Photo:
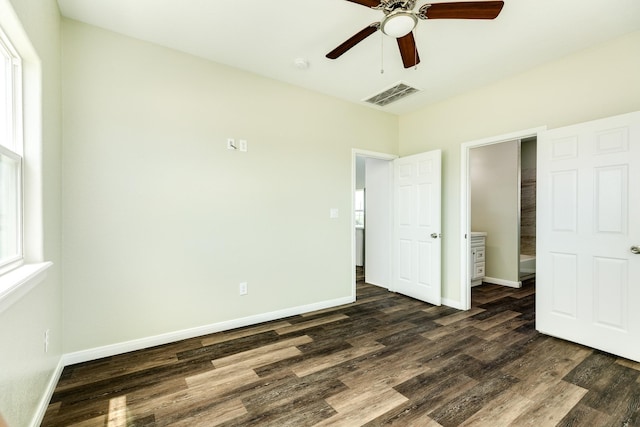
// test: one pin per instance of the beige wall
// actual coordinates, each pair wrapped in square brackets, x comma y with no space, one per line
[493,172]
[598,82]
[162,222]
[528,154]
[25,369]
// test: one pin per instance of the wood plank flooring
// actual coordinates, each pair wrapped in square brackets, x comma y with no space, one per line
[384,360]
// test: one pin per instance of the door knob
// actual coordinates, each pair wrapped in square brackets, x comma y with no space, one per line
[635,249]
[435,235]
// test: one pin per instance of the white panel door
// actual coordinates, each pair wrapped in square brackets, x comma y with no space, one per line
[416,241]
[588,277]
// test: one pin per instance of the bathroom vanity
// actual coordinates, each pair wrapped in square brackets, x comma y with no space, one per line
[478,242]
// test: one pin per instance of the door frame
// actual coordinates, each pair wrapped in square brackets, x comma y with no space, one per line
[465,204]
[356,152]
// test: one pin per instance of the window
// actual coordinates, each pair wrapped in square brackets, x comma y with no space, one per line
[11,253]
[359,208]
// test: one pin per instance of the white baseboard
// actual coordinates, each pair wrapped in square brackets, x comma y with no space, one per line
[46,397]
[502,282]
[139,344]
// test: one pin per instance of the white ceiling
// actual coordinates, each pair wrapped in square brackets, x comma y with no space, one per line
[457,55]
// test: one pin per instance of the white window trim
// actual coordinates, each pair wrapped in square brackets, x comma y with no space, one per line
[16,151]
[15,283]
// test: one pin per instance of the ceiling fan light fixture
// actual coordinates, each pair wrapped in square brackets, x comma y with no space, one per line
[399,23]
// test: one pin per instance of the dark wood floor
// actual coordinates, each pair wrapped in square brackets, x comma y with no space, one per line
[384,360]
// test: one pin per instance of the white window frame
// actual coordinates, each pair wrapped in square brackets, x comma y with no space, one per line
[12,144]
[359,210]
[20,277]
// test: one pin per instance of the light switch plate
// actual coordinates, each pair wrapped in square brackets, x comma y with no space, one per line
[333,213]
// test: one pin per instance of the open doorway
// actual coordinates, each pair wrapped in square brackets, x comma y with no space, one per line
[372,200]
[507,259]
[503,212]
[494,185]
[402,224]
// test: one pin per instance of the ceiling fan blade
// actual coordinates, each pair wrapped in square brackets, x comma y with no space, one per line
[408,50]
[368,3]
[462,10]
[354,40]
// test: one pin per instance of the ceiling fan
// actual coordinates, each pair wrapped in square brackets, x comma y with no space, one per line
[400,20]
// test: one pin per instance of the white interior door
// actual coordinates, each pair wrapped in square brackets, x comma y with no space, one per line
[416,242]
[588,278]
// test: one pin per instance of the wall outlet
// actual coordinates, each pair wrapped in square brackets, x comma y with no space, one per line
[242,145]
[46,341]
[244,289]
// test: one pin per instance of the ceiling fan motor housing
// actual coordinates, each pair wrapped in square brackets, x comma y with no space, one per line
[389,6]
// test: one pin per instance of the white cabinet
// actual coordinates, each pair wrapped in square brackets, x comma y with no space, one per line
[478,241]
